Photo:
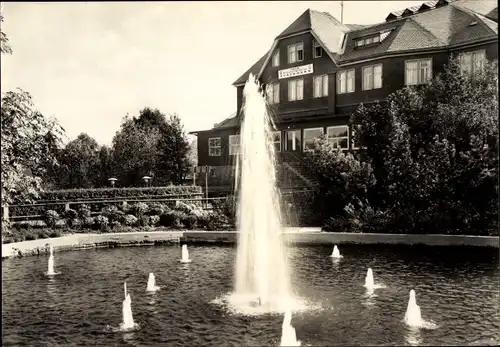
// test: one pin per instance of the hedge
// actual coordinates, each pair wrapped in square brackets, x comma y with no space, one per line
[97,193]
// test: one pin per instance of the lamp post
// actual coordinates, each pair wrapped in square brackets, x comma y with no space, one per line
[112,180]
[147,179]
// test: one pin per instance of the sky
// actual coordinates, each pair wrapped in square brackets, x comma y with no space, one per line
[91,63]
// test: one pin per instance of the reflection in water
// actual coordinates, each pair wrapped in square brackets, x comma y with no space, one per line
[413,336]
[369,298]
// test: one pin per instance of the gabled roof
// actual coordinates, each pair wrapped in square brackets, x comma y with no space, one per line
[230,122]
[322,23]
[434,24]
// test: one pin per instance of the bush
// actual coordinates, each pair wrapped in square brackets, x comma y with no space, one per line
[129,220]
[139,209]
[157,209]
[88,222]
[76,223]
[112,213]
[172,219]
[98,193]
[51,218]
[189,221]
[115,224]
[102,222]
[84,211]
[155,220]
[144,221]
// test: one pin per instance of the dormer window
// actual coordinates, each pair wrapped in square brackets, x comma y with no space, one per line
[381,36]
[317,49]
[276,58]
[295,53]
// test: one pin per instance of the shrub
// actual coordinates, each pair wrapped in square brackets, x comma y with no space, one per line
[144,221]
[55,233]
[88,222]
[139,209]
[76,223]
[129,220]
[172,219]
[112,213]
[157,209]
[189,221]
[115,224]
[70,214]
[155,220]
[102,222]
[51,218]
[84,211]
[30,235]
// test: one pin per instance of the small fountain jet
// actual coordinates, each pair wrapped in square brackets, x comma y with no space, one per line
[50,266]
[288,335]
[413,316]
[185,254]
[152,287]
[128,320]
[369,281]
[336,253]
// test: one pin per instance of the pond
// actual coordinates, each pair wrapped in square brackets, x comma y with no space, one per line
[457,288]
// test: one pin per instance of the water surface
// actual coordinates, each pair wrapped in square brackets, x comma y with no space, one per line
[457,288]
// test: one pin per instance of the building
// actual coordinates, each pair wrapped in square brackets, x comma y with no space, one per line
[319,70]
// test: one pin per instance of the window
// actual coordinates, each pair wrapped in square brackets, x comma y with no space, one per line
[338,136]
[234,144]
[372,77]
[273,93]
[320,86]
[276,58]
[310,135]
[212,173]
[418,71]
[317,49]
[345,81]
[353,134]
[295,53]
[472,63]
[292,140]
[277,140]
[296,89]
[214,147]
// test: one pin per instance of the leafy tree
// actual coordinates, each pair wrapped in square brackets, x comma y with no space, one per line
[343,178]
[134,152]
[4,41]
[79,163]
[151,145]
[434,150]
[28,145]
[174,151]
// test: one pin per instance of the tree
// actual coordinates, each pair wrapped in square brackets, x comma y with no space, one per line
[4,41]
[28,145]
[79,163]
[343,178]
[134,152]
[151,145]
[174,151]
[434,150]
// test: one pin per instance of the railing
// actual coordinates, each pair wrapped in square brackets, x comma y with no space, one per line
[205,203]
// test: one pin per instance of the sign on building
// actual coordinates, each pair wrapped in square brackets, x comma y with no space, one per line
[296,71]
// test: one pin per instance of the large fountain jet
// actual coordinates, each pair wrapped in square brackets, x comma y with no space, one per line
[261,269]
